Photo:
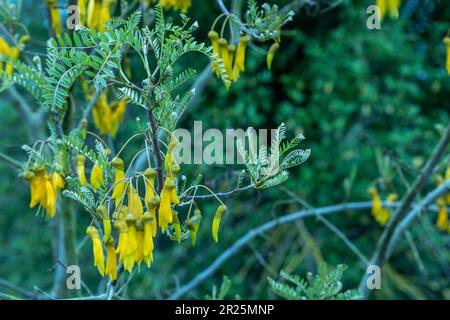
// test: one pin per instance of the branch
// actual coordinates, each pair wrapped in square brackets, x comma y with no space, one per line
[156,148]
[381,253]
[249,236]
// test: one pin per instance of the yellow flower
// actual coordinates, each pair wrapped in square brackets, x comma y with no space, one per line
[376,201]
[151,207]
[82,8]
[37,193]
[271,54]
[149,175]
[214,37]
[105,14]
[165,211]
[447,45]
[117,113]
[184,5]
[381,215]
[229,66]
[193,225]
[392,7]
[134,202]
[80,161]
[93,14]
[119,181]
[106,222]
[51,195]
[148,245]
[139,243]
[239,62]
[223,53]
[216,222]
[99,260]
[14,54]
[122,227]
[56,18]
[96,177]
[57,181]
[111,260]
[442,219]
[382,7]
[129,261]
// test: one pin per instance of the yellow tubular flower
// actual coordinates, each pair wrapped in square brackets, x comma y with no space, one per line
[139,243]
[442,219]
[122,227]
[216,222]
[105,14]
[111,260]
[393,6]
[148,245]
[376,201]
[106,223]
[57,181]
[119,181]
[80,161]
[185,5]
[135,203]
[117,113]
[35,190]
[223,53]
[149,175]
[96,177]
[14,54]
[447,45]
[165,211]
[51,195]
[82,8]
[99,259]
[382,7]
[239,61]
[93,14]
[151,206]
[130,255]
[214,37]
[231,54]
[271,54]
[56,18]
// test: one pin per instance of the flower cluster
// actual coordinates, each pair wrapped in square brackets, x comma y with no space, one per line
[233,58]
[44,188]
[389,7]
[98,13]
[107,117]
[11,52]
[381,214]
[182,5]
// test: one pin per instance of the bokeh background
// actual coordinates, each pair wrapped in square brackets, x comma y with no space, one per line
[372,105]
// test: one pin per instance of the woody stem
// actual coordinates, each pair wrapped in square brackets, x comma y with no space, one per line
[156,148]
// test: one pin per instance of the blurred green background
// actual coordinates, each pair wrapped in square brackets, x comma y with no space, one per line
[372,105]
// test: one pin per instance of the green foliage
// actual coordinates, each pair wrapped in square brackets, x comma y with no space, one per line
[325,285]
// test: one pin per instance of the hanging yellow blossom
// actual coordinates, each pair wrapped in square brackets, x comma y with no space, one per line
[134,202]
[107,118]
[149,175]
[105,14]
[96,177]
[82,11]
[231,55]
[93,14]
[165,210]
[121,225]
[182,5]
[55,17]
[271,54]
[193,225]
[447,45]
[57,181]
[382,8]
[139,256]
[224,55]
[12,53]
[442,219]
[99,260]
[214,37]
[119,181]
[128,261]
[239,61]
[111,259]
[106,222]
[177,226]
[393,8]
[216,222]
[381,215]
[148,245]
[80,161]
[151,207]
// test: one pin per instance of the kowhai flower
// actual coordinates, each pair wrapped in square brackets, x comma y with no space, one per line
[99,259]
[96,177]
[216,221]
[119,181]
